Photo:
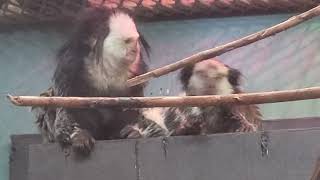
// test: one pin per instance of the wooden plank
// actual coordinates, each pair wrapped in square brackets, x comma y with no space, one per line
[291,156]
[19,155]
[176,152]
[110,160]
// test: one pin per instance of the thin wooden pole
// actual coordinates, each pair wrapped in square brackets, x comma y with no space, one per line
[139,102]
[291,22]
[316,171]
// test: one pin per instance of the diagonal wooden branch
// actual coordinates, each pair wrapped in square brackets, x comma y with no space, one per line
[138,102]
[293,21]
[316,170]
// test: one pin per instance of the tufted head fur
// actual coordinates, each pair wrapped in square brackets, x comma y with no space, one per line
[101,55]
[210,77]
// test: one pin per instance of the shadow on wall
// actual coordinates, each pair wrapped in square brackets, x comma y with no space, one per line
[286,61]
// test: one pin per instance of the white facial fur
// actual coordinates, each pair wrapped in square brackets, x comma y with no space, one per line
[120,46]
[209,77]
[156,115]
[120,50]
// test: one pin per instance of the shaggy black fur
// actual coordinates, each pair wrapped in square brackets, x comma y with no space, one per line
[81,127]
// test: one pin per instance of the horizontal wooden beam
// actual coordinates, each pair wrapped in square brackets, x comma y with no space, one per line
[139,102]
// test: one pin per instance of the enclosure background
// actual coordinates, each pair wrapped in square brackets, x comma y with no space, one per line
[288,60]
